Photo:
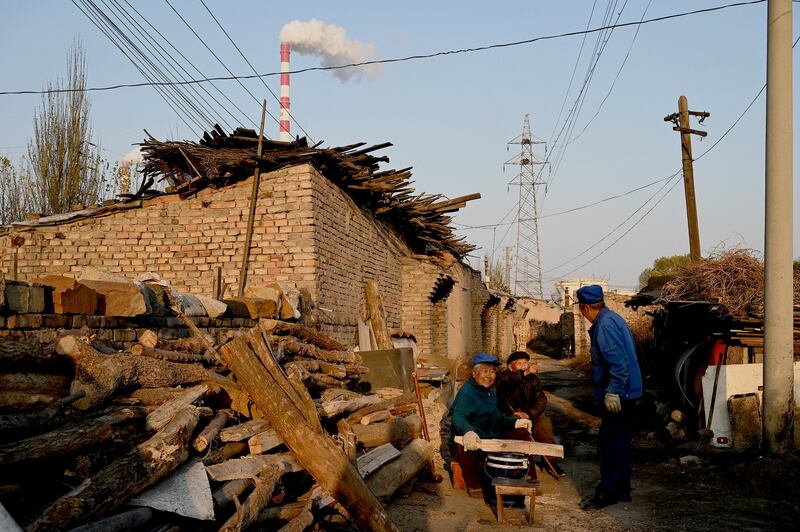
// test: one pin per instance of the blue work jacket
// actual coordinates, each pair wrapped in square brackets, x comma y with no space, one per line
[614,365]
[475,409]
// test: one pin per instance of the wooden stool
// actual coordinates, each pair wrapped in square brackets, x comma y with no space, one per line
[507,486]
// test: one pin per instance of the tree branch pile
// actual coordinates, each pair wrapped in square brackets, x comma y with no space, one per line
[733,278]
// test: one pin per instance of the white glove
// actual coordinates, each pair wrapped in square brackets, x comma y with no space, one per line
[612,403]
[523,424]
[471,441]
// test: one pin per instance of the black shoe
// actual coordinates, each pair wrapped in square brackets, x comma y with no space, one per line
[597,502]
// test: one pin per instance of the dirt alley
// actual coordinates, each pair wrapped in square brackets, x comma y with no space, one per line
[723,493]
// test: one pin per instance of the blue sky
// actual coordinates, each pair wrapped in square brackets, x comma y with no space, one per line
[450,117]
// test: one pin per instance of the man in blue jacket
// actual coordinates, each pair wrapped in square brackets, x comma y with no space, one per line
[475,416]
[617,383]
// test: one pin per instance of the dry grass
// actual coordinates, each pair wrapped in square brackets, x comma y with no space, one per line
[733,278]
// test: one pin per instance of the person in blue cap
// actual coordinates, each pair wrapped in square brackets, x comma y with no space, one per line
[617,383]
[475,416]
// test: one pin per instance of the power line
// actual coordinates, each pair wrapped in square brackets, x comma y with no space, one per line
[200,72]
[97,21]
[574,209]
[221,62]
[254,69]
[176,66]
[614,82]
[406,58]
[124,18]
[641,218]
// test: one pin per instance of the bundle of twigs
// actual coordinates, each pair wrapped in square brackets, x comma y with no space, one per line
[219,159]
[733,278]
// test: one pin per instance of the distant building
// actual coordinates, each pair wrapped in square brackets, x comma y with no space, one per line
[568,287]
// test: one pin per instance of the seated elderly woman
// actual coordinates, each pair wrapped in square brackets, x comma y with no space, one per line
[475,416]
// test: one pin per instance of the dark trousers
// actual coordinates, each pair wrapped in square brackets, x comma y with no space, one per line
[614,448]
[472,462]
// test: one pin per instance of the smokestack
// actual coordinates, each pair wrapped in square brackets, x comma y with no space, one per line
[286,134]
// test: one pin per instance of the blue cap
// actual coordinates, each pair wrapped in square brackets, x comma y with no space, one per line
[485,358]
[589,295]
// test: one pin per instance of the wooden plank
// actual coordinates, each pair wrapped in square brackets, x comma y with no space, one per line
[244,430]
[377,316]
[518,446]
[251,465]
[374,459]
[264,442]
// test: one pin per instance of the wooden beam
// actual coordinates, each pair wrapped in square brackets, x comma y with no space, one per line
[377,315]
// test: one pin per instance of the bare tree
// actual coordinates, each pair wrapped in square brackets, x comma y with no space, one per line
[497,280]
[16,193]
[65,165]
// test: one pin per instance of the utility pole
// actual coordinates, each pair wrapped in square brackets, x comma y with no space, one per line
[528,247]
[778,401]
[486,274]
[681,121]
[508,266]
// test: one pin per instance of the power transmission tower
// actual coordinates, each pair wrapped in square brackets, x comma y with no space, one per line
[528,262]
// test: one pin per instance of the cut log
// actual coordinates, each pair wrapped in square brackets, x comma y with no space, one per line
[253,308]
[20,425]
[245,430]
[373,460]
[211,431]
[302,333]
[386,404]
[149,338]
[130,520]
[335,403]
[226,452]
[249,358]
[397,431]
[388,479]
[375,417]
[113,485]
[164,413]
[192,344]
[229,491]
[101,375]
[118,298]
[518,446]
[69,440]
[41,382]
[70,296]
[265,483]
[27,400]
[377,316]
[320,380]
[155,396]
[213,307]
[18,355]
[171,356]
[264,442]
[299,523]
[566,408]
[295,347]
[251,465]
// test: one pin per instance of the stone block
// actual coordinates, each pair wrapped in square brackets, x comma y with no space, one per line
[23,298]
[69,296]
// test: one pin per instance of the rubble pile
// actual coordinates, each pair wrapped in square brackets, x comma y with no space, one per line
[258,430]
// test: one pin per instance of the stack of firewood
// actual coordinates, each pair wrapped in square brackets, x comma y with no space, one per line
[183,434]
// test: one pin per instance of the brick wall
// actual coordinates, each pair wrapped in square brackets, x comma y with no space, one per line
[353,247]
[183,241]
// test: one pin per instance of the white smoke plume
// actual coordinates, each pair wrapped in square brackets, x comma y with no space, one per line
[330,43]
[134,156]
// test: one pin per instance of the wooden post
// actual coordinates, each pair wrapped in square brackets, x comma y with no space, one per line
[681,119]
[252,214]
[217,283]
[377,316]
[288,410]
